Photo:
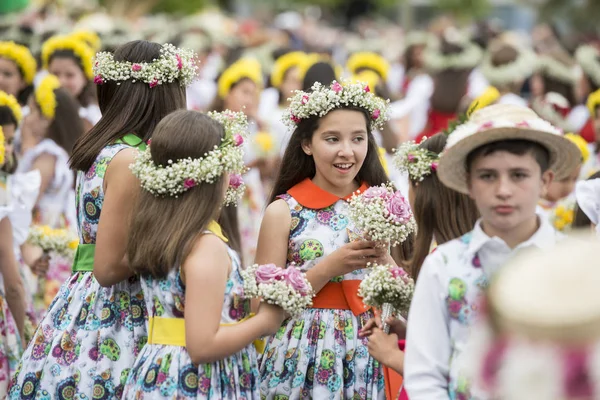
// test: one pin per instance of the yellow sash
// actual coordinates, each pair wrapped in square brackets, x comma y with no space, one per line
[171,332]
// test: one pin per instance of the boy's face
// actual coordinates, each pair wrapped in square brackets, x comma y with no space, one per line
[558,190]
[506,188]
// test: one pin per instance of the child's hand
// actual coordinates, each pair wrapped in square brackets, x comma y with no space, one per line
[397,327]
[367,330]
[41,265]
[273,316]
[355,255]
[384,348]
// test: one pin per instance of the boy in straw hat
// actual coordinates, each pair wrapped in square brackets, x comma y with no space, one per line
[504,157]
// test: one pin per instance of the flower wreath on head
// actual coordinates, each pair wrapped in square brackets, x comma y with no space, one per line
[78,47]
[314,58]
[90,38]
[11,102]
[519,69]
[589,58]
[2,148]
[467,58]
[45,96]
[323,99]
[22,57]
[172,64]
[181,175]
[285,63]
[368,60]
[244,68]
[418,162]
[593,101]
[559,71]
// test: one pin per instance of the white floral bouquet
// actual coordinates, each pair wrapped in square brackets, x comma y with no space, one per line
[382,214]
[60,241]
[388,288]
[287,288]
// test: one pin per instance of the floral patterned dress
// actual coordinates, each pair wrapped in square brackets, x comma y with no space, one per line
[319,354]
[89,338]
[166,372]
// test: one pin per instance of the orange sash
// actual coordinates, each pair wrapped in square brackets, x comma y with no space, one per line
[340,296]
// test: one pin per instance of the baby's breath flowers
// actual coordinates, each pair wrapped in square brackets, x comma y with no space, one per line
[382,214]
[60,241]
[415,161]
[179,176]
[287,288]
[322,99]
[173,64]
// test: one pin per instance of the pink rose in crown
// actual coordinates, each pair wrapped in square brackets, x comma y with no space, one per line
[238,139]
[336,87]
[189,183]
[154,83]
[367,89]
[136,67]
[375,192]
[296,279]
[304,99]
[434,166]
[98,80]
[376,113]
[235,180]
[398,208]
[269,272]
[295,119]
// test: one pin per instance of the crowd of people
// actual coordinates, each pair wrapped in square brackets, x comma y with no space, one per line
[177,152]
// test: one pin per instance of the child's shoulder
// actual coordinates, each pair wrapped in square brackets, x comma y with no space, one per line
[450,253]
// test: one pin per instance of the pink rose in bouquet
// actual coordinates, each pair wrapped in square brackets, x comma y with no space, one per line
[376,192]
[269,272]
[398,208]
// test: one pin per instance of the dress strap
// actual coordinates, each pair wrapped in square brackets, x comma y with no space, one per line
[133,141]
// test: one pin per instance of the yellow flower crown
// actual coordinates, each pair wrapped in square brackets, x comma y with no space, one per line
[88,37]
[581,144]
[593,101]
[284,63]
[2,149]
[369,60]
[81,50]
[489,97]
[22,57]
[45,96]
[9,101]
[312,59]
[243,68]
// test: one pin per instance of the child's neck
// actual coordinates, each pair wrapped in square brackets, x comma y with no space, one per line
[516,236]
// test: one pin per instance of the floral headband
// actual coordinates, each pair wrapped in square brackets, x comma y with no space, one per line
[88,37]
[172,64]
[9,101]
[416,161]
[181,175]
[45,97]
[323,99]
[244,68]
[22,57]
[369,60]
[285,63]
[587,56]
[593,101]
[78,47]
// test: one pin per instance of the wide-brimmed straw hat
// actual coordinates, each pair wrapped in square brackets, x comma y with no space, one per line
[500,122]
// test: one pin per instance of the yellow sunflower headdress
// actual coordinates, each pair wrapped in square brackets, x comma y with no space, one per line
[368,60]
[284,63]
[88,37]
[243,68]
[9,101]
[22,57]
[45,96]
[78,47]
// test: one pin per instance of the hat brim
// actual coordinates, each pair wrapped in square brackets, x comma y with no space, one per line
[452,167]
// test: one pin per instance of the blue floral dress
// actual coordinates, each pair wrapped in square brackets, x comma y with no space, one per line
[89,338]
[319,354]
[167,372]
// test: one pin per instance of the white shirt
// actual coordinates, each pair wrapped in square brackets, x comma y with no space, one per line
[445,304]
[511,98]
[415,104]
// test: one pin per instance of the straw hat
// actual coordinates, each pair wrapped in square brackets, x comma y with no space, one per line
[501,122]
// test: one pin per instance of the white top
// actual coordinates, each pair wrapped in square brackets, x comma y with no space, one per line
[511,98]
[415,104]
[200,94]
[91,113]
[477,83]
[578,117]
[23,190]
[445,304]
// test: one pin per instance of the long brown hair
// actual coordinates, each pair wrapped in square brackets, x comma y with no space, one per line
[66,127]
[450,85]
[163,229]
[296,165]
[128,107]
[440,212]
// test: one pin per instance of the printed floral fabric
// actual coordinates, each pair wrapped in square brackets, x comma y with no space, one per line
[87,341]
[319,354]
[167,372]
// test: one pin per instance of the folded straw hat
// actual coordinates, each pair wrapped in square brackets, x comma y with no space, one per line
[501,122]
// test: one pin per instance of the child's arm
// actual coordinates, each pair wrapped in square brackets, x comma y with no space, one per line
[13,284]
[121,189]
[428,346]
[206,272]
[384,348]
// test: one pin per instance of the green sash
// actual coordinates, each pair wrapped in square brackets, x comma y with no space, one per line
[84,256]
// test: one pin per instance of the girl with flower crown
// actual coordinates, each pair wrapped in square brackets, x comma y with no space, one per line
[70,59]
[91,334]
[17,70]
[331,154]
[175,243]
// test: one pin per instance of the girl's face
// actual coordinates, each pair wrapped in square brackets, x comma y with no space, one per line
[35,123]
[11,80]
[9,137]
[338,147]
[290,83]
[69,74]
[537,85]
[243,97]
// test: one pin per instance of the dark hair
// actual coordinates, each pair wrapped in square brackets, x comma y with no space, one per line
[88,93]
[319,72]
[66,127]
[554,85]
[580,219]
[7,117]
[128,107]
[517,147]
[450,85]
[441,213]
[163,229]
[23,95]
[506,54]
[297,165]
[408,57]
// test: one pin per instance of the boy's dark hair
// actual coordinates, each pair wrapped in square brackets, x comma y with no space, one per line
[517,147]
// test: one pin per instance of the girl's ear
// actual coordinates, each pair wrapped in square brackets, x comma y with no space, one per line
[306,147]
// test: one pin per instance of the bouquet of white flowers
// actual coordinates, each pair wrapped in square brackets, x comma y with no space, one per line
[287,288]
[60,241]
[389,288]
[382,214]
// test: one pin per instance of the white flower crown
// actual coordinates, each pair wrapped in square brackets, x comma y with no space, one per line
[173,64]
[415,160]
[323,99]
[588,57]
[521,68]
[469,57]
[181,175]
[557,70]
